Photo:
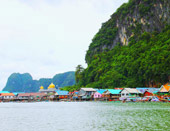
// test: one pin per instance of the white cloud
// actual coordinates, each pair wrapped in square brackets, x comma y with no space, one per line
[45,37]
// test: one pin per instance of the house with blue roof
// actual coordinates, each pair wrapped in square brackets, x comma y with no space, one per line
[98,93]
[101,91]
[61,94]
[112,94]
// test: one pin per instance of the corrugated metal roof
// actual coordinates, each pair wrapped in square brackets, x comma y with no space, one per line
[31,94]
[24,94]
[101,91]
[59,92]
[74,92]
[4,92]
[149,89]
[142,89]
[165,88]
[132,90]
[154,92]
[7,94]
[88,89]
[118,88]
[16,93]
[113,91]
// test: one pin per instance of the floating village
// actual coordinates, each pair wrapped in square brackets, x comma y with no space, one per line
[138,94]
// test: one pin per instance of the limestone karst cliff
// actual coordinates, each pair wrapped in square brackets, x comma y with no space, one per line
[132,48]
[130,20]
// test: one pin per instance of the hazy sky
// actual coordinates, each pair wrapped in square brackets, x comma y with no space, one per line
[46,37]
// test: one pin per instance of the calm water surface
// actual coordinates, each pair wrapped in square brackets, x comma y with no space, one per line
[84,116]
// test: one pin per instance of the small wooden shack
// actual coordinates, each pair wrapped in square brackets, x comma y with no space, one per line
[62,94]
[7,96]
[86,93]
[31,96]
[112,94]
[148,91]
[98,93]
[130,92]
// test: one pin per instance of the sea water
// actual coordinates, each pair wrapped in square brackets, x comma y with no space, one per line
[84,116]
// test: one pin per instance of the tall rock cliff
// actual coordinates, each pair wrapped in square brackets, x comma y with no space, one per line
[132,48]
[130,20]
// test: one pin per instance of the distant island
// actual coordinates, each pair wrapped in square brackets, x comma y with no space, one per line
[24,82]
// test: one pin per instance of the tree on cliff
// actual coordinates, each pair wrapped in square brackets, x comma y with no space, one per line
[78,73]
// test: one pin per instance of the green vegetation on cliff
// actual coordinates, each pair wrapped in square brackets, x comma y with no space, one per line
[137,64]
[24,82]
[131,49]
[131,19]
